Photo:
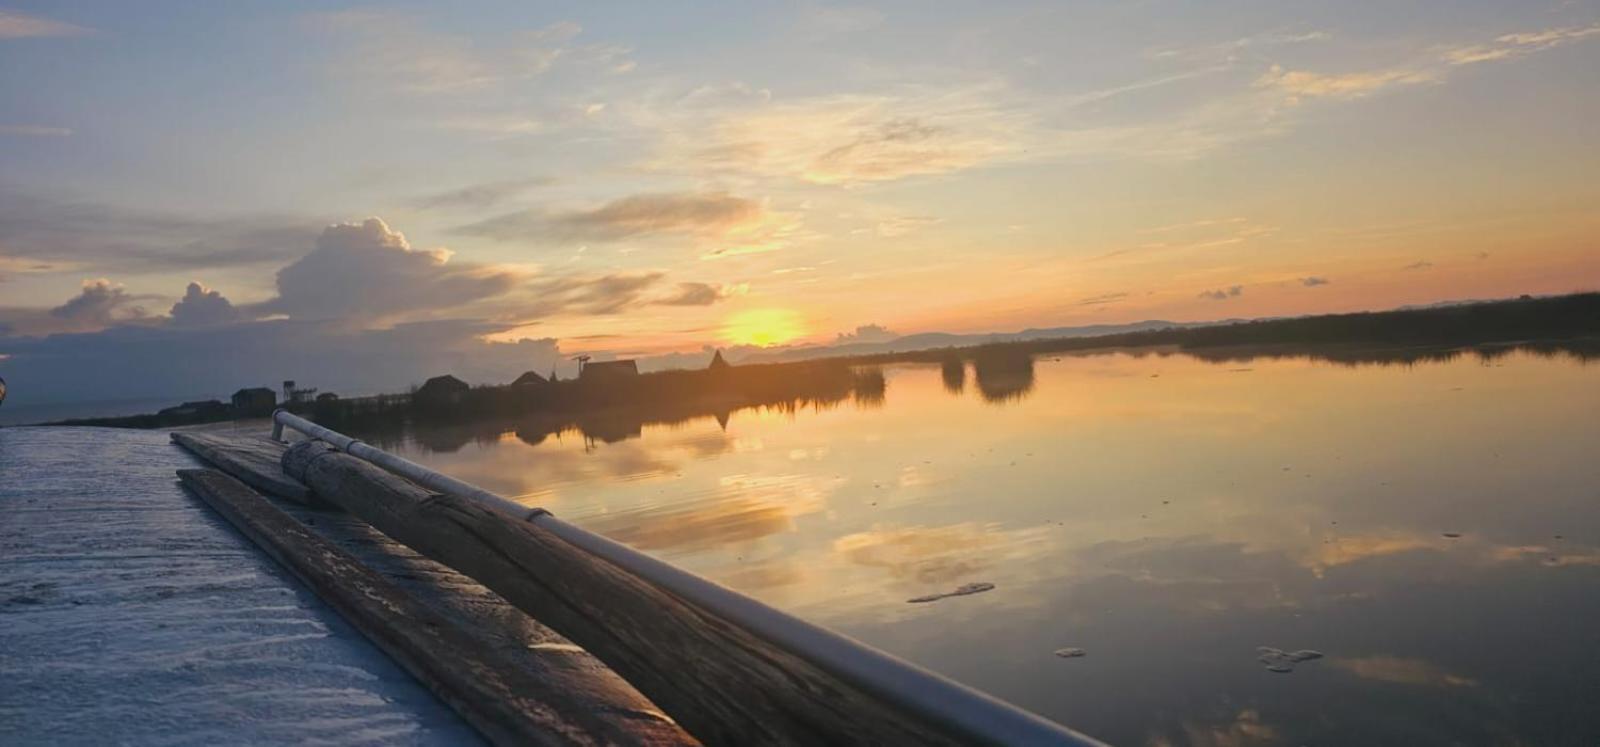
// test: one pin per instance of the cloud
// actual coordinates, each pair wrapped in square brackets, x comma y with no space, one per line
[14,25]
[99,304]
[1401,670]
[367,272]
[69,234]
[922,555]
[477,196]
[1298,84]
[866,333]
[1223,294]
[201,307]
[1301,84]
[703,214]
[1419,265]
[698,294]
[34,131]
[608,294]
[128,361]
[1102,299]
[1510,46]
[1314,281]
[402,53]
[844,139]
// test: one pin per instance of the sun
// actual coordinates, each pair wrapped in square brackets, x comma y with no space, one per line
[763,327]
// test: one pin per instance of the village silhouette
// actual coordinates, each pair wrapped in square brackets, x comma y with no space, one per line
[610,401]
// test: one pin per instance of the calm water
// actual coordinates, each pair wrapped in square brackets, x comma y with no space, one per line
[1165,514]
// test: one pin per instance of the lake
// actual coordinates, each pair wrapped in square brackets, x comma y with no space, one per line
[1432,527]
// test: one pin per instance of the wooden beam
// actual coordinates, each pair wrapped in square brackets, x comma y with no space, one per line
[502,703]
[255,460]
[723,684]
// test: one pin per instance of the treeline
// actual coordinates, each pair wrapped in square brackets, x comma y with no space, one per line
[617,407]
[1554,318]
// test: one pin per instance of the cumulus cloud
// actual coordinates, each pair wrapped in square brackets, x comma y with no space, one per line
[864,334]
[99,304]
[1314,281]
[369,272]
[682,213]
[14,25]
[1223,294]
[201,307]
[698,294]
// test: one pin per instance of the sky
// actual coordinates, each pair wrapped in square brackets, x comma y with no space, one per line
[201,196]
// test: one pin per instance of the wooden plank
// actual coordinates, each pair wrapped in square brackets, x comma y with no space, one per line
[725,685]
[255,460]
[503,704]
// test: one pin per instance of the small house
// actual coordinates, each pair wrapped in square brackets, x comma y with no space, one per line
[442,390]
[255,401]
[530,379]
[609,370]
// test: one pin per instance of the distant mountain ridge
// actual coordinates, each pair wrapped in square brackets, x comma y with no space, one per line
[930,340]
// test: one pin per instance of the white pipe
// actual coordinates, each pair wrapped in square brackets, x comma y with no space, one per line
[930,696]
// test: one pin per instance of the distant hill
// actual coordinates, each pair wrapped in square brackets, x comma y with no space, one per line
[931,340]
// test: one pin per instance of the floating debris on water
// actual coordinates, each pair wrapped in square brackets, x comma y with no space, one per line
[1283,662]
[960,591]
[1071,653]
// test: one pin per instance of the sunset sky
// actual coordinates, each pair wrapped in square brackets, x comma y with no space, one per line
[415,187]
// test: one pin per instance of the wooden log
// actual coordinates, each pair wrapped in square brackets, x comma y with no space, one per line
[723,684]
[255,460]
[502,703]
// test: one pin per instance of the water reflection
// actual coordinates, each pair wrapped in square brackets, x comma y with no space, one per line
[954,374]
[1427,519]
[1003,376]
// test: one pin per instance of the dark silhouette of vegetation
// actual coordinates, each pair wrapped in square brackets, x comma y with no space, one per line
[614,408]
[953,371]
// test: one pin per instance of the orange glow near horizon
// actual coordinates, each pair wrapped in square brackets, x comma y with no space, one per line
[763,327]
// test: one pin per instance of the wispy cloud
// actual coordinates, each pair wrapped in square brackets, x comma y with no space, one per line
[845,139]
[1511,46]
[14,25]
[1223,294]
[1419,265]
[1102,299]
[476,196]
[1299,84]
[715,214]
[699,294]
[1314,281]
[406,54]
